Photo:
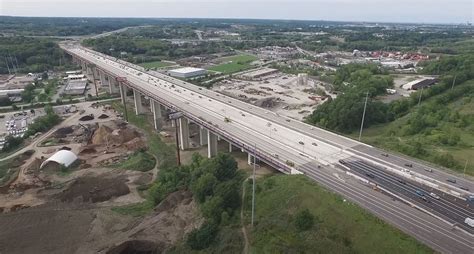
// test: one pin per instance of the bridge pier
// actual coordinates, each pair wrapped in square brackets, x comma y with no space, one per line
[123,93]
[156,110]
[250,159]
[183,133]
[102,78]
[202,136]
[230,147]
[137,96]
[211,144]
[113,85]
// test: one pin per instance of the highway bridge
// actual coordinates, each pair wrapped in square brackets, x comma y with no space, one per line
[294,147]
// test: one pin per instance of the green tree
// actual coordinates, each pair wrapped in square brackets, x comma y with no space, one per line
[213,208]
[304,220]
[202,237]
[204,186]
[226,167]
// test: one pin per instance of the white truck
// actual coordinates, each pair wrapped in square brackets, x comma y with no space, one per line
[469,222]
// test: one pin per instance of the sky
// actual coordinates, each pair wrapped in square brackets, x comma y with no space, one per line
[419,11]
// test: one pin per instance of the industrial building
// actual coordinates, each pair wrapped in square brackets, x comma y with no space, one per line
[75,87]
[13,94]
[187,72]
[420,83]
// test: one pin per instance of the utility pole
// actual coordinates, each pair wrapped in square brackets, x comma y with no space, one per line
[253,182]
[363,115]
[454,81]
[421,94]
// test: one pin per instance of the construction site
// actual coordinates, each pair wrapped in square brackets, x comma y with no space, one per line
[294,96]
[65,184]
[50,198]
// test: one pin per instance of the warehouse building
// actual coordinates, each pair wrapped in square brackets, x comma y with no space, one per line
[420,83]
[75,87]
[187,72]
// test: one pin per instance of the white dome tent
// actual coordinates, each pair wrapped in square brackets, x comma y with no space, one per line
[62,157]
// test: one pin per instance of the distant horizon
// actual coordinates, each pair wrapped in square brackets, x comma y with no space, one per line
[236,19]
[370,11]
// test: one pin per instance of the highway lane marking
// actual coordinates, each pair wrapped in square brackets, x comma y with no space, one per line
[459,211]
[364,191]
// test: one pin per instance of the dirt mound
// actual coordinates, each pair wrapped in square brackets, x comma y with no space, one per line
[173,200]
[103,116]
[135,144]
[87,118]
[63,132]
[270,102]
[50,229]
[95,189]
[105,135]
[87,150]
[137,247]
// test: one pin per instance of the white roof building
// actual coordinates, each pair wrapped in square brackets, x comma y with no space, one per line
[187,72]
[62,157]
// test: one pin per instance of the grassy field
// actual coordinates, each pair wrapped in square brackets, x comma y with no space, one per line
[155,64]
[233,64]
[340,227]
[139,161]
[389,136]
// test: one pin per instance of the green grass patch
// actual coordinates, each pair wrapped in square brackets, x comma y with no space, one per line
[138,161]
[155,64]
[432,143]
[163,152]
[233,64]
[339,227]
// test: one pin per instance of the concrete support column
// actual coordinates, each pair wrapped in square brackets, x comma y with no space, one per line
[183,133]
[211,144]
[123,92]
[102,79]
[230,147]
[156,110]
[250,159]
[113,85]
[137,96]
[202,136]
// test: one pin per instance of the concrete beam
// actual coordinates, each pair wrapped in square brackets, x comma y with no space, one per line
[202,136]
[137,96]
[211,144]
[183,133]
[156,110]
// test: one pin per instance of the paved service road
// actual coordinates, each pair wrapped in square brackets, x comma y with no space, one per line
[280,140]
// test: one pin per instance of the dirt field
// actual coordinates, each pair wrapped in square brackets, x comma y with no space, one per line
[280,93]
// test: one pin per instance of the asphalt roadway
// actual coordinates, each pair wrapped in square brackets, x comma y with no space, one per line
[453,209]
[316,161]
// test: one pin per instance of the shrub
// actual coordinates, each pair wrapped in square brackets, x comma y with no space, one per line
[202,237]
[304,220]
